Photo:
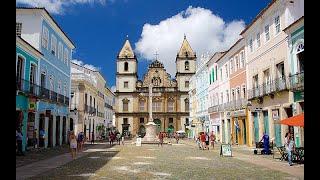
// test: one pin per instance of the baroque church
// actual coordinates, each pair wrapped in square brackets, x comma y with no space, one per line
[170,99]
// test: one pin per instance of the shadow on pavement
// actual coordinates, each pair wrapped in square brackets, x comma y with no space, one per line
[83,167]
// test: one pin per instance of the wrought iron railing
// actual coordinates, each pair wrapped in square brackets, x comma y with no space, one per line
[30,88]
[277,85]
[297,82]
[214,108]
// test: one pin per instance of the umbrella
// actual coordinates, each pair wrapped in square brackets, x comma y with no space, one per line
[180,131]
[297,120]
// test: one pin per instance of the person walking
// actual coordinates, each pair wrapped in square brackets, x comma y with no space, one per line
[160,136]
[35,138]
[212,139]
[176,136]
[42,137]
[92,138]
[122,139]
[289,145]
[118,138]
[207,140]
[73,144]
[203,140]
[19,141]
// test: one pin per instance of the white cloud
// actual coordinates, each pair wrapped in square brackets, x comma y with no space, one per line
[57,6]
[89,66]
[205,31]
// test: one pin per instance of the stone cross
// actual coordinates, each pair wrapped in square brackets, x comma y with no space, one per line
[156,54]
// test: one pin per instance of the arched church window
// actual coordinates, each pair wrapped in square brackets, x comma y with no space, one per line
[125,103]
[186,65]
[126,66]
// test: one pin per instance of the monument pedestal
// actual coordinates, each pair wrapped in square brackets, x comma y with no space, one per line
[151,133]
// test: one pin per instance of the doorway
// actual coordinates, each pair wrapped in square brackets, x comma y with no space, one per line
[223,132]
[41,127]
[57,130]
[30,129]
[256,126]
[64,130]
[50,131]
[266,122]
[71,124]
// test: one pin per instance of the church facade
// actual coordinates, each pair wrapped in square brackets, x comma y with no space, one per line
[170,99]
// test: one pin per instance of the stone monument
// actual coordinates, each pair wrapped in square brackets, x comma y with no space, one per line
[151,127]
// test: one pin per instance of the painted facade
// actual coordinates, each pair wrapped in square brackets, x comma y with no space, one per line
[268,68]
[27,62]
[295,32]
[170,102]
[40,30]
[202,84]
[87,101]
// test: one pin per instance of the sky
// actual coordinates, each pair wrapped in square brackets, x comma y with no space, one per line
[99,28]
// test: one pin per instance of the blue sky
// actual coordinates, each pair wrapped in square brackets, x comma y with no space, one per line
[99,28]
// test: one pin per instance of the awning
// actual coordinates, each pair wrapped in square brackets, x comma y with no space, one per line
[297,120]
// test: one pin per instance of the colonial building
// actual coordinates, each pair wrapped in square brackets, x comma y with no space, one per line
[202,84]
[39,29]
[87,100]
[268,68]
[214,107]
[109,101]
[170,104]
[27,63]
[295,32]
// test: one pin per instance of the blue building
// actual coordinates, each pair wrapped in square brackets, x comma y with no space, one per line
[27,63]
[39,29]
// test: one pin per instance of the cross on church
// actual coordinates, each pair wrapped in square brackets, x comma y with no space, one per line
[156,54]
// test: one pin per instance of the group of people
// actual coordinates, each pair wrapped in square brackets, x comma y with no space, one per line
[115,136]
[203,140]
[76,143]
[288,144]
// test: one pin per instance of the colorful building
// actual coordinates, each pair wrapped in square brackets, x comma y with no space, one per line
[295,33]
[27,63]
[40,30]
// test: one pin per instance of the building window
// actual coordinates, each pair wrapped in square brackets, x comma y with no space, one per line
[267,33]
[251,45]
[238,93]
[280,70]
[125,120]
[170,106]
[59,87]
[237,62]
[233,95]
[220,73]
[85,98]
[170,120]
[125,104]
[217,72]
[277,23]
[226,67]
[126,84]
[231,66]
[244,91]
[18,29]
[43,80]
[60,50]
[227,92]
[221,96]
[45,37]
[187,121]
[141,120]
[242,58]
[186,84]
[186,65]
[19,70]
[186,105]
[126,66]
[156,106]
[65,89]
[65,56]
[141,105]
[33,75]
[53,45]
[258,40]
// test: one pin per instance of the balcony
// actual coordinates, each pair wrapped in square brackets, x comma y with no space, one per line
[297,82]
[269,88]
[86,108]
[53,96]
[27,87]
[60,99]
[213,109]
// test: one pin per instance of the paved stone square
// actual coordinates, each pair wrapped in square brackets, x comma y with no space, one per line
[177,161]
